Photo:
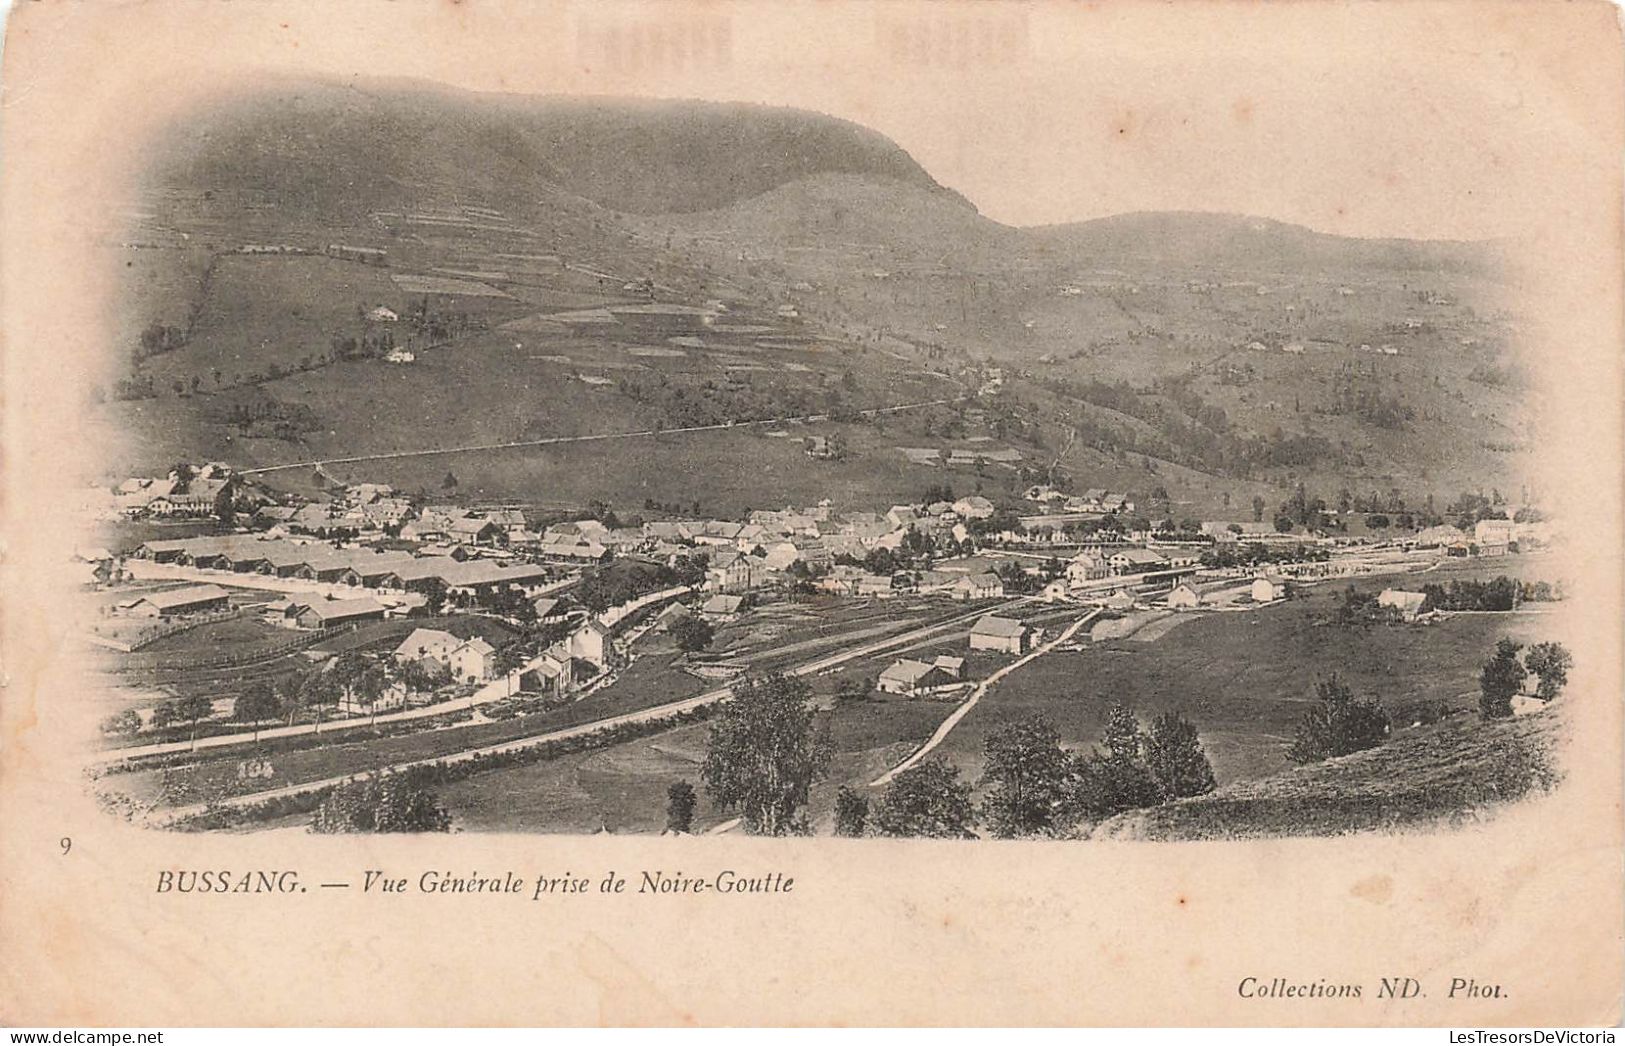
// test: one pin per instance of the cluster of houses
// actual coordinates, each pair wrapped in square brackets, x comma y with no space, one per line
[1097,500]
[1192,595]
[355,566]
[180,494]
[1489,537]
[465,660]
[991,632]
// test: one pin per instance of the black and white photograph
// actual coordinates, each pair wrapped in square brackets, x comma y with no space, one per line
[994,425]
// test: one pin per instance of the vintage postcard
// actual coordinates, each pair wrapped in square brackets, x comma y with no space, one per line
[811,513]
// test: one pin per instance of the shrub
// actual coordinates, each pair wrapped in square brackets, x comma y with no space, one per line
[927,800]
[387,802]
[1502,676]
[680,803]
[1338,725]
[851,812]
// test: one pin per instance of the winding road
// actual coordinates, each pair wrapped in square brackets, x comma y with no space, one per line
[981,688]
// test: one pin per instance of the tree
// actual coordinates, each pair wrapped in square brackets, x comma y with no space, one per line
[323,688]
[256,703]
[763,755]
[290,696]
[851,812]
[692,634]
[1501,678]
[434,596]
[422,676]
[1551,662]
[223,506]
[189,710]
[1258,509]
[1028,771]
[1111,779]
[1122,736]
[1173,754]
[927,800]
[1337,724]
[370,687]
[122,724]
[450,482]
[384,802]
[680,803]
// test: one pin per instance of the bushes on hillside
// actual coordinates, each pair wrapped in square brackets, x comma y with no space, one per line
[928,800]
[1500,680]
[851,812]
[1504,676]
[1338,725]
[1037,788]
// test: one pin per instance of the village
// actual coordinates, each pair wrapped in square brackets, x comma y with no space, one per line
[406,608]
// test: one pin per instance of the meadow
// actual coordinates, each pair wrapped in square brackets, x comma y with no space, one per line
[1244,678]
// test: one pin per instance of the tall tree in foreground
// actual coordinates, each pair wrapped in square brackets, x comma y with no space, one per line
[1501,678]
[1028,772]
[851,812]
[1337,724]
[1173,754]
[764,754]
[1551,662]
[1114,778]
[927,800]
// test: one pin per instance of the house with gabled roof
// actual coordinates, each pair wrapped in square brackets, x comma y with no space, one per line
[337,612]
[1007,635]
[178,602]
[427,644]
[1407,604]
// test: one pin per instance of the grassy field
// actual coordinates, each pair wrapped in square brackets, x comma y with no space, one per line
[1244,678]
[623,788]
[1436,774]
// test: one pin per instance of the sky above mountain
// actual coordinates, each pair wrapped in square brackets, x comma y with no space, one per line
[1374,120]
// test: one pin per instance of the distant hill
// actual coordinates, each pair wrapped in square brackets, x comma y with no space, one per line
[847,211]
[332,148]
[1238,349]
[1190,239]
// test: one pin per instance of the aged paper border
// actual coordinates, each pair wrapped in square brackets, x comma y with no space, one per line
[874,932]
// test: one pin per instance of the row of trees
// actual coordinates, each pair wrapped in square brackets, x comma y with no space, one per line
[1501,593]
[1256,553]
[362,680]
[766,750]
